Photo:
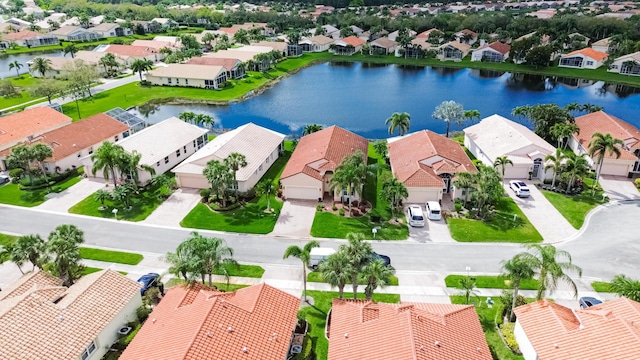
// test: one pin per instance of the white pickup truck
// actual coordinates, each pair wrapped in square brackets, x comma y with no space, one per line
[318,255]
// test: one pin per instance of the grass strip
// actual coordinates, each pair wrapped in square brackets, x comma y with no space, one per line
[490,282]
[111,256]
[316,276]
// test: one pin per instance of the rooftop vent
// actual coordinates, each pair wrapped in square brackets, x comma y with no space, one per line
[153,320]
[230,329]
[208,333]
[437,343]
[346,335]
[245,350]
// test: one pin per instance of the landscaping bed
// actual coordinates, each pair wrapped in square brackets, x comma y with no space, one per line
[316,276]
[490,282]
[219,286]
[142,205]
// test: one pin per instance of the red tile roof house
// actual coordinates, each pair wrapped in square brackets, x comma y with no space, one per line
[201,323]
[549,331]
[130,53]
[40,319]
[494,52]
[359,329]
[600,121]
[19,127]
[30,38]
[347,46]
[72,142]
[466,36]
[426,163]
[308,172]
[586,58]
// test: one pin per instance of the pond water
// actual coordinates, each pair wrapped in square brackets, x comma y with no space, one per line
[360,97]
[23,58]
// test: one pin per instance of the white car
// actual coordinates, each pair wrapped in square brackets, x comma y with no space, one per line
[520,188]
[415,215]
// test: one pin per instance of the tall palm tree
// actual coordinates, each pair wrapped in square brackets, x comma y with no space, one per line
[472,114]
[70,49]
[449,111]
[64,244]
[551,266]
[212,254]
[40,153]
[464,180]
[304,254]
[219,176]
[40,65]
[600,146]
[376,274]
[395,192]
[107,158]
[350,175]
[235,161]
[130,164]
[266,187]
[400,121]
[359,253]
[516,270]
[187,116]
[109,62]
[563,130]
[576,166]
[555,162]
[502,162]
[183,261]
[32,248]
[311,128]
[626,286]
[15,65]
[336,271]
[141,65]
[21,156]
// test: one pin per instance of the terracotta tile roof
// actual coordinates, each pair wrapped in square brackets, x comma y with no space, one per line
[218,325]
[229,31]
[321,40]
[16,127]
[323,151]
[418,158]
[589,52]
[227,64]
[37,325]
[366,330]
[155,44]
[384,43]
[604,123]
[131,50]
[606,331]
[497,46]
[468,32]
[78,136]
[21,35]
[425,34]
[353,41]
[31,281]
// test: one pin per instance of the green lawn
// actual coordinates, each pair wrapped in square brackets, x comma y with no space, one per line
[490,282]
[119,257]
[488,318]
[315,276]
[328,225]
[11,194]
[7,239]
[90,270]
[573,207]
[252,271]
[22,83]
[316,315]
[601,286]
[501,228]
[141,206]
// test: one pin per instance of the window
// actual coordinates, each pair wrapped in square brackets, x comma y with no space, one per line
[178,153]
[177,81]
[79,154]
[589,62]
[116,138]
[90,150]
[267,160]
[184,148]
[260,168]
[168,80]
[194,144]
[186,81]
[88,351]
[166,160]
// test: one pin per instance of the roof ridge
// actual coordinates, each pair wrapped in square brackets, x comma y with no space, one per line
[203,320]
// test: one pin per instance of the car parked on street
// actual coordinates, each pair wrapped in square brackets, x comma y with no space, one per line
[4,179]
[588,301]
[520,188]
[149,281]
[385,259]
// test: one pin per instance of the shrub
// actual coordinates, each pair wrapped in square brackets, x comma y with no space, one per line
[457,206]
[637,182]
[143,313]
[341,212]
[16,174]
[205,194]
[124,342]
[117,41]
[334,207]
[509,336]
[320,207]
[507,300]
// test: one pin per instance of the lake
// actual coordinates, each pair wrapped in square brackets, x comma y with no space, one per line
[360,97]
[5,60]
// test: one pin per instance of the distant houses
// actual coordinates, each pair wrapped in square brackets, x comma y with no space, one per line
[347,46]
[188,75]
[586,58]
[494,52]
[28,38]
[453,50]
[627,64]
[75,33]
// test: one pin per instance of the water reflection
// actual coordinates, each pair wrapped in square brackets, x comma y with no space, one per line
[373,65]
[530,82]
[347,64]
[486,74]
[573,83]
[446,70]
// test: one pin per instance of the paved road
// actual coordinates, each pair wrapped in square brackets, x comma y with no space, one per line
[609,247]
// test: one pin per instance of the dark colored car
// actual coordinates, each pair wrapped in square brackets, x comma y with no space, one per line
[4,179]
[589,301]
[150,280]
[384,258]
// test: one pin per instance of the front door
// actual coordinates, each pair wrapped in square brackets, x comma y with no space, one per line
[446,178]
[537,163]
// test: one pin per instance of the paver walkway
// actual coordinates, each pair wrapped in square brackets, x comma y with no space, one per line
[175,208]
[61,202]
[296,218]
[542,214]
[619,187]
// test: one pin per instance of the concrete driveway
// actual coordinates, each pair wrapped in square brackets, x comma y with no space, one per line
[175,208]
[296,218]
[433,231]
[61,202]
[619,187]
[542,214]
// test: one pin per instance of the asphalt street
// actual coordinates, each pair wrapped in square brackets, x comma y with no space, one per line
[609,246]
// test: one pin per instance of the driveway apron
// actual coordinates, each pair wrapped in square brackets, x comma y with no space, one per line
[619,188]
[296,218]
[63,201]
[175,208]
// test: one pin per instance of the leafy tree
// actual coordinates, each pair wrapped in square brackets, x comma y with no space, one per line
[107,158]
[310,129]
[350,175]
[359,253]
[266,188]
[21,156]
[376,274]
[81,76]
[464,180]
[544,117]
[102,196]
[468,286]
[40,152]
[208,38]
[626,286]
[304,254]
[15,65]
[576,166]
[7,90]
[381,148]
[63,245]
[235,161]
[516,270]
[48,88]
[336,271]
[502,162]
[400,121]
[450,111]
[551,266]
[32,248]
[600,146]
[129,164]
[141,65]
[555,161]
[219,176]
[70,49]
[189,42]
[109,62]
[40,65]
[539,56]
[487,190]
[241,37]
[562,131]
[394,192]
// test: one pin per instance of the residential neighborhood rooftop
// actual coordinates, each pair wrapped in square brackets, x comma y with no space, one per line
[594,54]
[227,64]
[187,71]
[601,122]
[31,122]
[21,35]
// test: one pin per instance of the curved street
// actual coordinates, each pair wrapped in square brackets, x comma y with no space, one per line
[609,244]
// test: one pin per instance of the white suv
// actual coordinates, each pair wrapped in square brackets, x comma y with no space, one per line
[520,188]
[415,215]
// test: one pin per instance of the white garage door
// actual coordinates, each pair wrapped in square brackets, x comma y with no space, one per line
[420,196]
[615,169]
[299,192]
[194,182]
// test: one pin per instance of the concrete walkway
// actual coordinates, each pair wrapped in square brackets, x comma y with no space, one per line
[175,208]
[62,202]
[619,187]
[296,218]
[542,214]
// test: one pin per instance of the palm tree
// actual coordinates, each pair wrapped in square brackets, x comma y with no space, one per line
[394,192]
[311,128]
[550,265]
[381,148]
[376,274]
[449,111]
[304,254]
[464,180]
[15,65]
[32,248]
[502,162]
[40,153]
[400,121]
[182,261]
[207,39]
[187,116]
[235,161]
[359,253]
[563,130]
[266,188]
[336,271]
[21,157]
[468,286]
[219,176]
[516,270]
[109,62]
[70,49]
[102,196]
[204,119]
[576,166]
[130,164]
[555,162]
[212,254]
[472,114]
[626,286]
[140,65]
[601,145]
[63,245]
[107,158]
[40,65]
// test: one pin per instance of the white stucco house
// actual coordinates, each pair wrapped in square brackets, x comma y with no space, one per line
[496,136]
[426,163]
[316,43]
[76,322]
[260,146]
[162,146]
[629,161]
[310,169]
[494,52]
[188,75]
[627,64]
[586,58]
